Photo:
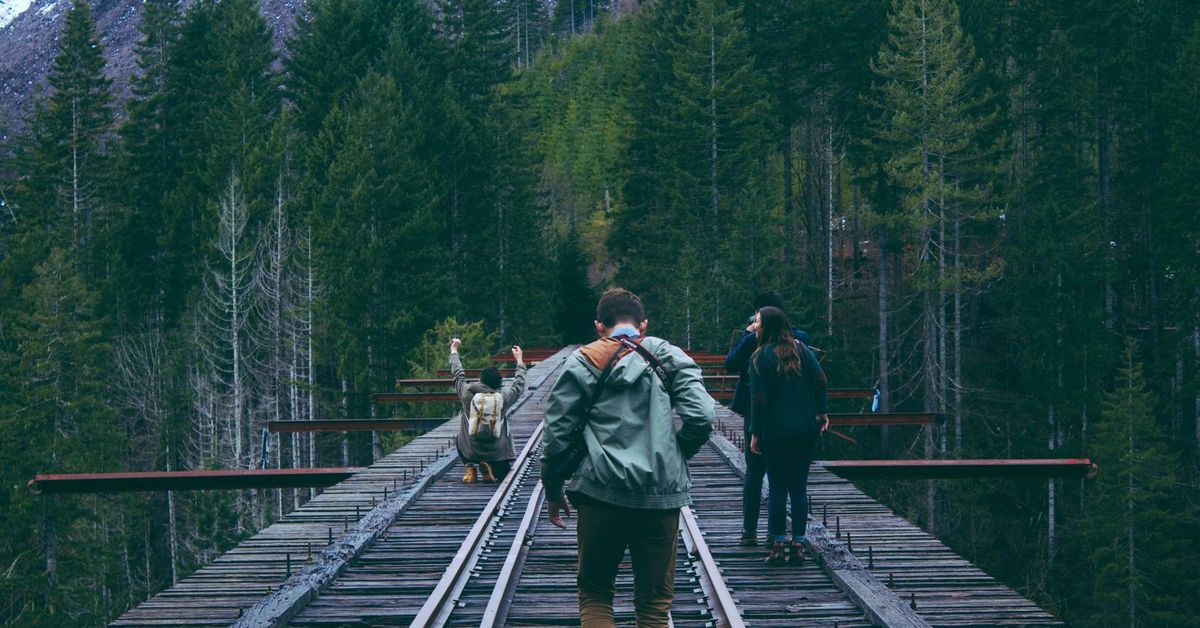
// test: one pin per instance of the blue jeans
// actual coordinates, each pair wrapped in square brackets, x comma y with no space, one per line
[787,470]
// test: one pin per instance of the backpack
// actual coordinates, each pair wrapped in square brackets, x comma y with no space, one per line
[486,416]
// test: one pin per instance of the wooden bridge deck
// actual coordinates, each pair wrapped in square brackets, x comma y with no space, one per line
[388,579]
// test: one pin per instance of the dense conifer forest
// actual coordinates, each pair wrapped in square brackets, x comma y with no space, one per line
[988,209]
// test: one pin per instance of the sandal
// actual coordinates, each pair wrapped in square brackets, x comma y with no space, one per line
[778,555]
[796,555]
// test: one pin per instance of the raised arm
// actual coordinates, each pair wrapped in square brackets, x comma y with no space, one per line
[456,368]
[739,356]
[517,386]
[691,401]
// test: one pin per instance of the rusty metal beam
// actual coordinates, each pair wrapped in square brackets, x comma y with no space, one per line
[188,480]
[424,381]
[356,425]
[851,393]
[475,373]
[960,469]
[878,418]
[413,397]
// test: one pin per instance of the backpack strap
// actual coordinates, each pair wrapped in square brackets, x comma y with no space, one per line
[656,364]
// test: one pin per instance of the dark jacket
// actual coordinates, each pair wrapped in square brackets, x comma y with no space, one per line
[500,449]
[784,407]
[738,361]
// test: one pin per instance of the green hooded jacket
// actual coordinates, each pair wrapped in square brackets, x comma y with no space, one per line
[636,458]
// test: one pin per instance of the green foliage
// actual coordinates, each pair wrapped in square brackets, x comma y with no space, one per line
[478,345]
[66,179]
[1132,533]
[1028,170]
[576,298]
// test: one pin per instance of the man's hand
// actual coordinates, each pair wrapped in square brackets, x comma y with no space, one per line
[752,327]
[455,344]
[823,422]
[755,448]
[518,355]
[559,508]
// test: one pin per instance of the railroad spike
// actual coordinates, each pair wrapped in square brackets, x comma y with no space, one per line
[331,535]
[309,549]
[839,526]
[870,557]
[891,580]
[288,559]
[913,601]
[825,515]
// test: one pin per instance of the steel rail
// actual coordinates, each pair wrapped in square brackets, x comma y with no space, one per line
[724,608]
[496,613]
[442,601]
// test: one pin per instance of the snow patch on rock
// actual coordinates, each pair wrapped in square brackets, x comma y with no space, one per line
[10,9]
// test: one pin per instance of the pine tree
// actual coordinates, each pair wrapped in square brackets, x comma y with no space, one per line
[334,43]
[147,161]
[1179,188]
[374,221]
[59,422]
[66,162]
[1133,531]
[930,128]
[481,50]
[575,294]
[702,123]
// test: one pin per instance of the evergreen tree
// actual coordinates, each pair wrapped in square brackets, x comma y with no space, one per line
[703,137]
[147,162]
[66,161]
[576,297]
[372,226]
[1132,532]
[57,421]
[932,128]
[334,43]
[1178,234]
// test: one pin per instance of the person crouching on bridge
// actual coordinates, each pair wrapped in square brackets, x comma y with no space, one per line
[608,423]
[738,361]
[483,441]
[788,405]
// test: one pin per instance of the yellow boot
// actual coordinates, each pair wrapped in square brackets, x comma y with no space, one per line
[470,476]
[486,475]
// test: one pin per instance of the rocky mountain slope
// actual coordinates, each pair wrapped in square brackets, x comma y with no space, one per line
[29,31]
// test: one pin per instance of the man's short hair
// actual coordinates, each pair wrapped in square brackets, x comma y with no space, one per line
[618,305]
[490,377]
[770,298]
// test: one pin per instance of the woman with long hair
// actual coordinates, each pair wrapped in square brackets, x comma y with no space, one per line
[789,400]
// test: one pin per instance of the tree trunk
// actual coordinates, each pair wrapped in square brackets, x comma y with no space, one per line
[829,228]
[884,365]
[1051,501]
[958,377]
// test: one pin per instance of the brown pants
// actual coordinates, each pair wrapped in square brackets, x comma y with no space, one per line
[604,533]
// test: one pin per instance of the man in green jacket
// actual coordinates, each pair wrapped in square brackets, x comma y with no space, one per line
[630,486]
